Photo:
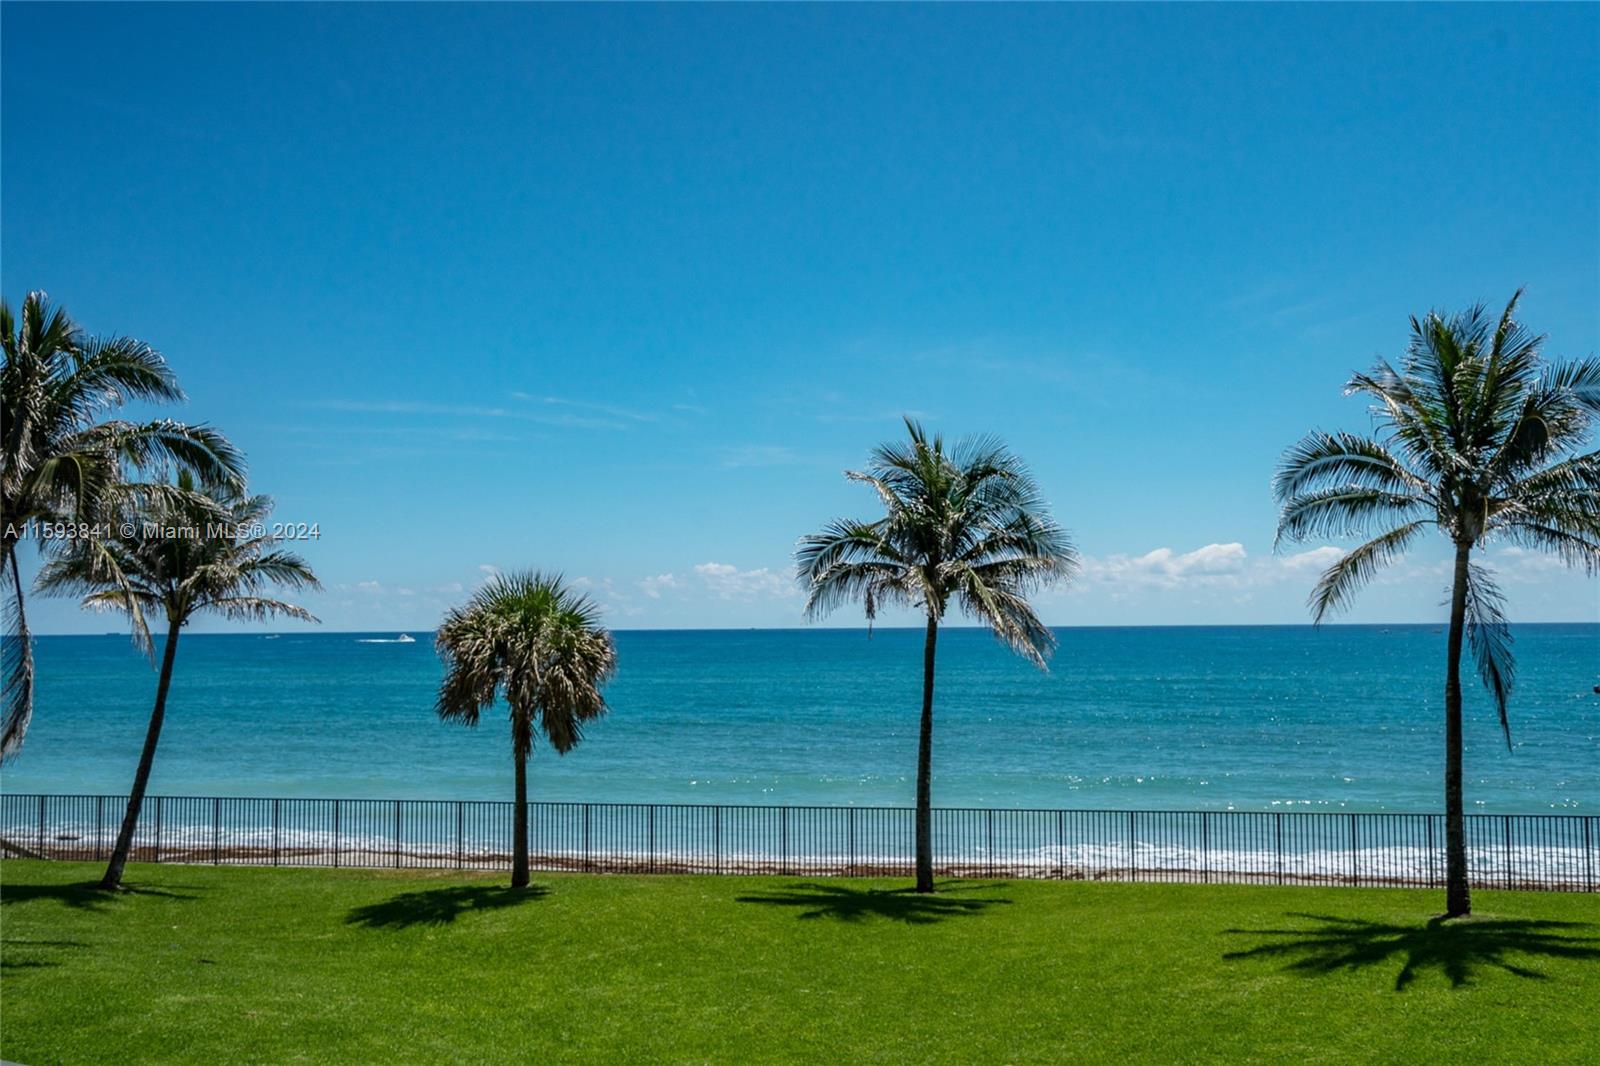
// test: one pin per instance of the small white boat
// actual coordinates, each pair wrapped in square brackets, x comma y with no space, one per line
[405,639]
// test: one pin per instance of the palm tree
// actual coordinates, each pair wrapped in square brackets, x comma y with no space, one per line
[967,525]
[1481,440]
[528,637]
[60,462]
[172,557]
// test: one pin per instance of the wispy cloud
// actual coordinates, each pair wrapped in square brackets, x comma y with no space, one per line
[730,583]
[654,586]
[723,581]
[562,420]
[608,411]
[759,455]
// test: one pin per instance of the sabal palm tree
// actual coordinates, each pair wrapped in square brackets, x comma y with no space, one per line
[540,645]
[171,558]
[60,461]
[966,525]
[1481,440]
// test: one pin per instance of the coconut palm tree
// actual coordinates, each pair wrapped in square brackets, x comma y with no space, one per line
[173,559]
[1482,441]
[529,638]
[61,462]
[965,524]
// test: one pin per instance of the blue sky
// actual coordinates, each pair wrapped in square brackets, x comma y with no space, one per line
[620,291]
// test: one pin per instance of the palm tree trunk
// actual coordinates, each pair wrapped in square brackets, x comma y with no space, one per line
[1458,900]
[152,736]
[925,765]
[519,824]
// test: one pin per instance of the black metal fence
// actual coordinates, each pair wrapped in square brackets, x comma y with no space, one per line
[1523,851]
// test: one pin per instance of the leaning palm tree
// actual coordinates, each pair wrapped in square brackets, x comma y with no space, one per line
[172,558]
[967,525]
[60,462]
[531,639]
[1481,440]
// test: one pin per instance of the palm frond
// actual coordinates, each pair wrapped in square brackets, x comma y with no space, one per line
[1006,612]
[965,522]
[1323,460]
[1577,547]
[539,643]
[1357,567]
[1489,637]
[1343,511]
[60,458]
[16,662]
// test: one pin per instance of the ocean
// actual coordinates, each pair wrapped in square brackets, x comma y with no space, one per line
[1341,718]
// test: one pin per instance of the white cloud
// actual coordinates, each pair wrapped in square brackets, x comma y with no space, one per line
[1165,568]
[722,580]
[1526,562]
[728,582]
[1316,560]
[653,586]
[1213,567]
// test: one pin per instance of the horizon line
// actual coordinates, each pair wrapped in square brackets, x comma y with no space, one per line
[869,629]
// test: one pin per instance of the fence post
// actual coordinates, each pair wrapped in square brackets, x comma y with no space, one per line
[783,840]
[587,865]
[216,831]
[1431,856]
[988,843]
[1506,819]
[1355,873]
[461,834]
[275,804]
[851,836]
[716,833]
[1133,865]
[40,843]
[397,834]
[158,829]
[650,821]
[1061,846]
[1278,817]
[1588,853]
[99,840]
[1205,847]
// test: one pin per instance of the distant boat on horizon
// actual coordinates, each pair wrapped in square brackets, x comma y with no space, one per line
[405,639]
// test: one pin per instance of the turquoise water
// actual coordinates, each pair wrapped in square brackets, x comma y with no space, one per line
[1248,718]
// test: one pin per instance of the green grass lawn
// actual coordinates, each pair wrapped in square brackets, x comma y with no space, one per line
[279,965]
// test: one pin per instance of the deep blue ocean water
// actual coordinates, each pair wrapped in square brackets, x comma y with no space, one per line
[1249,718]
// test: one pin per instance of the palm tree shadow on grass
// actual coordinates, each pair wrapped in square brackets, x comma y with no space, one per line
[10,964]
[1455,948]
[84,895]
[851,904]
[440,906]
